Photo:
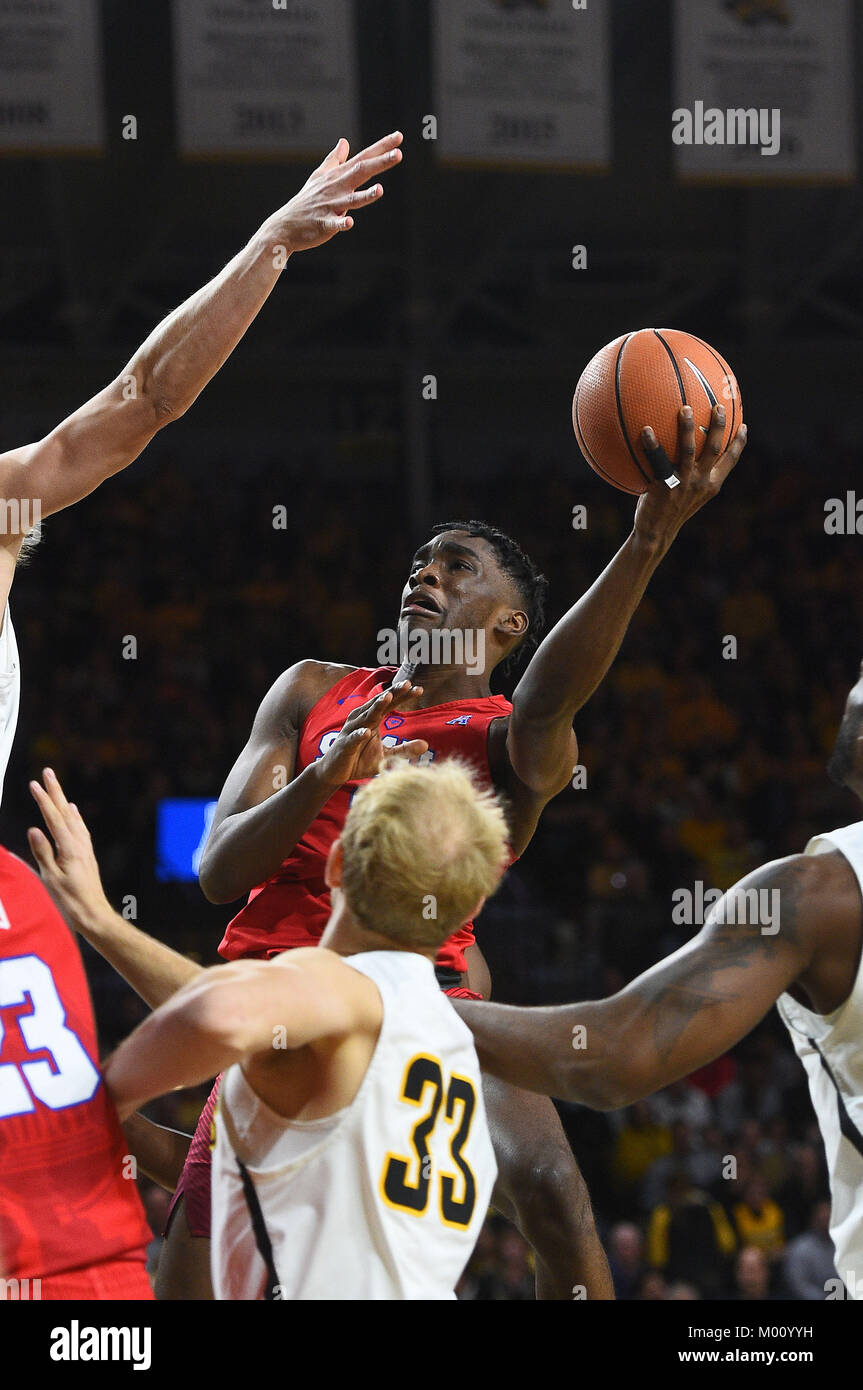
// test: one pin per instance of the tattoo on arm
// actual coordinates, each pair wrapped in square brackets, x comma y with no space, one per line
[674,996]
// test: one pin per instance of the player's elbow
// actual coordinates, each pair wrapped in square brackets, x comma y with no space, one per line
[220,1016]
[210,884]
[215,882]
[608,1084]
[156,397]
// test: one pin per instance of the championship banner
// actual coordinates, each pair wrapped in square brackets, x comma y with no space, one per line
[51,78]
[764,91]
[522,83]
[263,81]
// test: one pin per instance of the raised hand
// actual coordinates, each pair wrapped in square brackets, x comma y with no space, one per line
[69,870]
[358,751]
[662,510]
[332,193]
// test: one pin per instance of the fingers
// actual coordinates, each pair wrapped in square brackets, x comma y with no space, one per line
[405,693]
[409,750]
[337,155]
[54,790]
[713,443]
[725,464]
[337,224]
[380,148]
[370,714]
[656,456]
[359,169]
[40,848]
[685,439]
[363,196]
[52,814]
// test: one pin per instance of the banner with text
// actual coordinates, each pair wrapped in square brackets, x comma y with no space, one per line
[525,85]
[51,77]
[764,90]
[263,81]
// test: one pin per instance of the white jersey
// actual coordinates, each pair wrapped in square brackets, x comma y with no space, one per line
[383,1200]
[10,691]
[830,1047]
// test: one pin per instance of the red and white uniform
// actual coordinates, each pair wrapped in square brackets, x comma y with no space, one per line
[292,908]
[68,1215]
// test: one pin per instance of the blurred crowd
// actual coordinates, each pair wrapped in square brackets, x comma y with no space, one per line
[704,757]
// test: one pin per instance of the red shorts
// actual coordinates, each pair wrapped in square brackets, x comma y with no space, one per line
[124,1278]
[194,1184]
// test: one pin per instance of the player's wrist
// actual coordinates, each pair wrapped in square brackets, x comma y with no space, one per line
[649,542]
[273,244]
[327,778]
[96,920]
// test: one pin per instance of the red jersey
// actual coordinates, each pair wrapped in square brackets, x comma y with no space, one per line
[64,1199]
[293,907]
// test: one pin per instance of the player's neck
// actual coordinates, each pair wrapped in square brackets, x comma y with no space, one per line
[348,937]
[443,684]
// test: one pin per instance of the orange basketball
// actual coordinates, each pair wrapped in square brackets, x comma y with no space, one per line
[644,378]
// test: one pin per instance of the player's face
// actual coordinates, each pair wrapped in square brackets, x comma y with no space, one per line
[846,760]
[455,583]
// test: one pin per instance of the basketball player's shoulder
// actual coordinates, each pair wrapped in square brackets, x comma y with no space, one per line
[816,893]
[311,676]
[300,686]
[327,970]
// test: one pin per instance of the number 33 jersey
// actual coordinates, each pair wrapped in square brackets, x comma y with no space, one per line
[67,1197]
[384,1199]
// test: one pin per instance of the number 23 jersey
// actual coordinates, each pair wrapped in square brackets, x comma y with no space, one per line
[67,1196]
[384,1199]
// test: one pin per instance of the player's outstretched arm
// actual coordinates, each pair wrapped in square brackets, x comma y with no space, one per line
[264,809]
[677,1016]
[575,656]
[181,355]
[70,872]
[160,1152]
[236,1012]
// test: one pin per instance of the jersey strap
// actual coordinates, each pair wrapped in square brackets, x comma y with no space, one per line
[262,1237]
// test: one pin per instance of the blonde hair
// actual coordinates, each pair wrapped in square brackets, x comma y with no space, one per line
[422,846]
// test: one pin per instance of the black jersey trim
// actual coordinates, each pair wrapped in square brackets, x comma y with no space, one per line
[262,1237]
[846,1125]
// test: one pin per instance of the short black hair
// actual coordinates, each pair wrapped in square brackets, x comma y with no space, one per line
[531,583]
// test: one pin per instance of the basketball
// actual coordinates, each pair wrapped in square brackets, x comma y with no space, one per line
[643,378]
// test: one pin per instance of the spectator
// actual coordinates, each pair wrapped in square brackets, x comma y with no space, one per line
[758,1219]
[751,1276]
[681,1103]
[809,1259]
[653,1288]
[689,1237]
[639,1143]
[626,1259]
[805,1186]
